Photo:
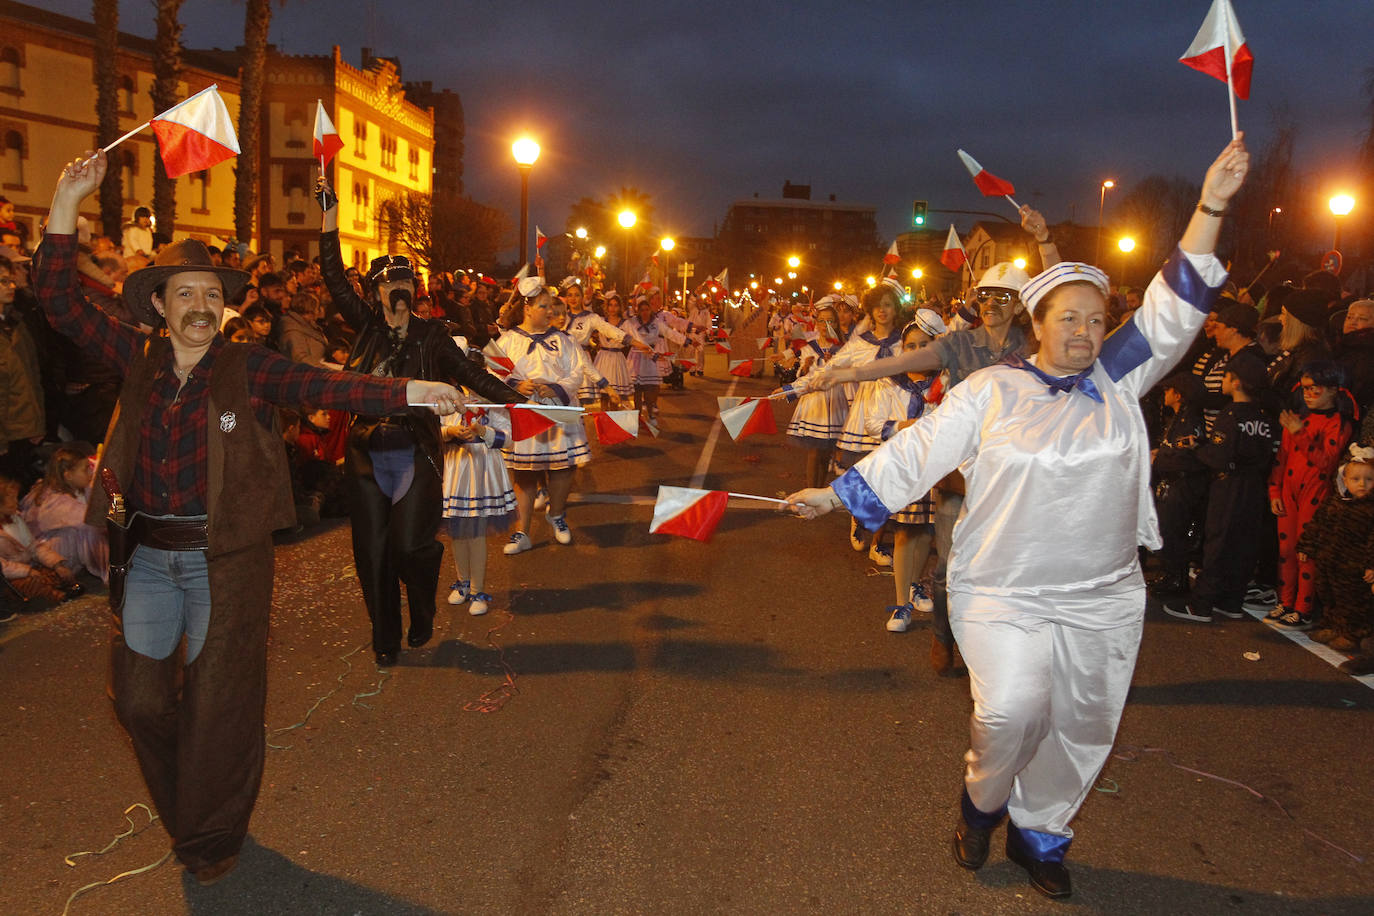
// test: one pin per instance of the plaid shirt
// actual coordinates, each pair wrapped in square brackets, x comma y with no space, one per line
[170,471]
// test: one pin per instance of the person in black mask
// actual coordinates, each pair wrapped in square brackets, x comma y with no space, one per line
[395,464]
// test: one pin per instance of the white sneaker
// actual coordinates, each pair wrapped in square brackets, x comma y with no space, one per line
[900,619]
[458,592]
[541,500]
[880,555]
[920,600]
[561,532]
[858,536]
[481,601]
[519,543]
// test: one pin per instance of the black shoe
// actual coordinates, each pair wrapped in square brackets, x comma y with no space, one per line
[1049,878]
[971,845]
[418,636]
[386,659]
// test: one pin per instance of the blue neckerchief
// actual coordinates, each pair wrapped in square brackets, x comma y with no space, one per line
[538,340]
[885,345]
[916,403]
[1081,381]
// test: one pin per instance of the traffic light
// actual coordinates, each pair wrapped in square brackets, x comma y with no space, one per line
[918,213]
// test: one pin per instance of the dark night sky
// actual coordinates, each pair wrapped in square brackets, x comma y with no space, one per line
[703,103]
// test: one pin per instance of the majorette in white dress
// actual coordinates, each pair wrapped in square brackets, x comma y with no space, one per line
[550,358]
[1046,596]
[580,328]
[897,399]
[478,497]
[861,349]
[819,415]
[662,328]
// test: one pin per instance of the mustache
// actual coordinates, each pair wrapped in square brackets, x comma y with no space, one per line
[200,315]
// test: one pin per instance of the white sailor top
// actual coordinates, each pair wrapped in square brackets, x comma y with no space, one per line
[550,358]
[1057,482]
[581,326]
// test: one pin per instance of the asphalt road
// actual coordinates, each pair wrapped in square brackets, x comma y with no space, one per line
[696,728]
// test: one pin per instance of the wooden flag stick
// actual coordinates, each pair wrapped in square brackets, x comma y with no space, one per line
[762,499]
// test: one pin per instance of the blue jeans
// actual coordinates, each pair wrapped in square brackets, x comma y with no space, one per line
[168,595]
[394,470]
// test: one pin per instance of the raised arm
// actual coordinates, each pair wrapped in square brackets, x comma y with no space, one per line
[1034,223]
[354,310]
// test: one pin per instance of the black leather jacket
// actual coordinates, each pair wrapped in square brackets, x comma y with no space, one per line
[428,352]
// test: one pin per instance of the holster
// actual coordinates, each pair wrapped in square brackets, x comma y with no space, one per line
[122,544]
[159,533]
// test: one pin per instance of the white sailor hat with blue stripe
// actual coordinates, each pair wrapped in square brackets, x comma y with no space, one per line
[1063,272]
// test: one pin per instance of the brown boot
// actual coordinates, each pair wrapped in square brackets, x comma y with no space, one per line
[215,871]
[957,668]
[941,657]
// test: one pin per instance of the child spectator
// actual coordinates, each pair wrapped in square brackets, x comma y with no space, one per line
[1239,450]
[55,511]
[33,568]
[1338,542]
[478,498]
[1313,440]
[1180,481]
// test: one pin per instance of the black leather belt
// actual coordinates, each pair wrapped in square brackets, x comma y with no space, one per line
[177,533]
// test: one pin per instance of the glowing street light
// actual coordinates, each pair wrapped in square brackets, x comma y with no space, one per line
[778,280]
[600,252]
[838,286]
[526,152]
[666,244]
[1020,263]
[1340,205]
[916,273]
[794,262]
[1127,245]
[627,220]
[581,232]
[1101,200]
[871,281]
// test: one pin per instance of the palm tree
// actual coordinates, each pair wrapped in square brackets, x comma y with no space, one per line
[257,19]
[166,71]
[105,15]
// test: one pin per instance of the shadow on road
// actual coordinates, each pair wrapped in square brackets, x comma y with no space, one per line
[1219,692]
[610,596]
[268,882]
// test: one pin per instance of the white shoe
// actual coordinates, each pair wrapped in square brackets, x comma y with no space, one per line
[458,592]
[920,600]
[480,602]
[900,619]
[561,532]
[541,500]
[858,537]
[519,543]
[880,555]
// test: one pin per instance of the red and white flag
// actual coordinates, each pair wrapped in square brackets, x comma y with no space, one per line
[723,403]
[723,278]
[648,422]
[752,416]
[688,513]
[892,257]
[539,238]
[953,256]
[988,183]
[195,134]
[614,426]
[529,420]
[1220,47]
[764,342]
[741,367]
[327,139]
[722,346]
[687,364]
[498,364]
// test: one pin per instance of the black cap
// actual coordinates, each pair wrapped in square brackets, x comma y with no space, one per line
[1250,369]
[1238,315]
[389,268]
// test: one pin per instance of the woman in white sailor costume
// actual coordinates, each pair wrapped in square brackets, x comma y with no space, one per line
[581,322]
[819,415]
[654,328]
[479,499]
[1046,594]
[900,402]
[884,310]
[546,366]
[611,360]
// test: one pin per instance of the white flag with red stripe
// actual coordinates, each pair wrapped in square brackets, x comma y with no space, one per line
[498,363]
[742,367]
[614,426]
[722,346]
[539,238]
[327,139]
[892,257]
[529,420]
[195,134]
[953,256]
[688,513]
[988,183]
[1220,47]
[751,416]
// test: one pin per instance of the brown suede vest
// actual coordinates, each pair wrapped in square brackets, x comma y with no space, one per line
[246,461]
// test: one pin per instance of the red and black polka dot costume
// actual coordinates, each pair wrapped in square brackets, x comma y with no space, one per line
[1301,481]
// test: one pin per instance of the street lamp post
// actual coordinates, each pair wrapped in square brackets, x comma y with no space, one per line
[627,221]
[1101,201]
[1127,245]
[667,245]
[1340,205]
[525,151]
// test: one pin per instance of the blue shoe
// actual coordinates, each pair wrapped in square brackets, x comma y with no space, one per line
[458,591]
[900,619]
[920,600]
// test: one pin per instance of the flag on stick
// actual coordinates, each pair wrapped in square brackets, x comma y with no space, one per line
[498,364]
[327,139]
[742,367]
[195,134]
[752,416]
[539,238]
[722,346]
[892,257]
[649,422]
[988,183]
[763,342]
[615,426]
[723,278]
[1219,50]
[953,256]
[688,513]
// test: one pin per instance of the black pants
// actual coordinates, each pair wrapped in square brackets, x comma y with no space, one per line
[394,544]
[1236,505]
[1180,500]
